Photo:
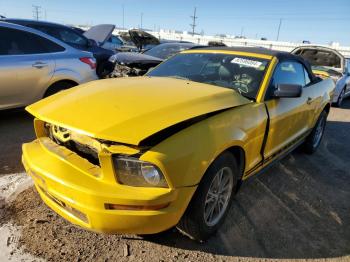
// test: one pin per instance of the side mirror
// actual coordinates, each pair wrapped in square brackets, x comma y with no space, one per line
[287,90]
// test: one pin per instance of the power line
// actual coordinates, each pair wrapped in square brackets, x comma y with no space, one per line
[194,17]
[36,12]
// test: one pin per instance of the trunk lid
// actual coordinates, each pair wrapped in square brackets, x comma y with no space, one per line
[100,33]
[321,57]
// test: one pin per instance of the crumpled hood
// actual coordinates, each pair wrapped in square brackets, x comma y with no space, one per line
[128,110]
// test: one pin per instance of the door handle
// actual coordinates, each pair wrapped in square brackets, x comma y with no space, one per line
[309,100]
[39,65]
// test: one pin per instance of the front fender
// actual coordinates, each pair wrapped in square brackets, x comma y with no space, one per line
[185,156]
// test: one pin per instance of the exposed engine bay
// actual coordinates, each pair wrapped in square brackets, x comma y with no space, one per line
[124,71]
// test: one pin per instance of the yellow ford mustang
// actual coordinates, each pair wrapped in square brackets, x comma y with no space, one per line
[141,155]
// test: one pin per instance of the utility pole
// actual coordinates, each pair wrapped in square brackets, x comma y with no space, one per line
[141,20]
[36,12]
[242,30]
[123,18]
[194,17]
[279,28]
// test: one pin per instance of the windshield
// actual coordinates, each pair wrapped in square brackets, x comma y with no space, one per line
[165,51]
[243,74]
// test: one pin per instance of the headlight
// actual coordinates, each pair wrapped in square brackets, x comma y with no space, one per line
[134,172]
[113,59]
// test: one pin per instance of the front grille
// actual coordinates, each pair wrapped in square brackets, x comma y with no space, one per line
[84,152]
[81,150]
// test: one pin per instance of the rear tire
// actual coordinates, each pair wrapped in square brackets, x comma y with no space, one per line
[313,141]
[203,215]
[57,87]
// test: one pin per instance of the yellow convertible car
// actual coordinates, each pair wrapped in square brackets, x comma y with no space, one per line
[141,155]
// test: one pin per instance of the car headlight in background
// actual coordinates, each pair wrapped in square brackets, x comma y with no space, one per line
[134,172]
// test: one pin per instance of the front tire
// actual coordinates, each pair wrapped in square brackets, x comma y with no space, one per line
[313,141]
[209,205]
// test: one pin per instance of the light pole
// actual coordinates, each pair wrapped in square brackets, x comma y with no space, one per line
[279,28]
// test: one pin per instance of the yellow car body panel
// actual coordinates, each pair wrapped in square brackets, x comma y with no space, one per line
[67,182]
[114,117]
[139,114]
[321,73]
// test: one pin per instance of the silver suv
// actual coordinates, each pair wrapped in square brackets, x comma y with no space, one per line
[34,65]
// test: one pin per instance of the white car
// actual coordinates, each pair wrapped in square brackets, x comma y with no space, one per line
[34,65]
[332,63]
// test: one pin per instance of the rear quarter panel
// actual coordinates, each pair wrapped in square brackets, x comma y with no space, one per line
[185,156]
[324,91]
[69,67]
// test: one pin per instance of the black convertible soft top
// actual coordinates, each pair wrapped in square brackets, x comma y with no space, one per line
[280,55]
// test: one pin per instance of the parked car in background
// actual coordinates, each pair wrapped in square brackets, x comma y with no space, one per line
[34,65]
[116,43]
[142,39]
[137,64]
[326,61]
[141,155]
[216,43]
[89,41]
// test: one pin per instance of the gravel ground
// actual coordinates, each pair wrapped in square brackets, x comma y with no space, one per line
[299,209]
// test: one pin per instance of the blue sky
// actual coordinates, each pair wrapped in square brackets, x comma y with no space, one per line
[319,21]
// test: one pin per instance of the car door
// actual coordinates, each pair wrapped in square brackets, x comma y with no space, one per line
[289,117]
[25,67]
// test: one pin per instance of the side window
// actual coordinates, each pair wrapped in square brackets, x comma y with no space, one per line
[17,42]
[70,37]
[287,73]
[307,77]
[115,40]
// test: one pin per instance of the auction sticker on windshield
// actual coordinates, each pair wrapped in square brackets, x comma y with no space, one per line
[246,62]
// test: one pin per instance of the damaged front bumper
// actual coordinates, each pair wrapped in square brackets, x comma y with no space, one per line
[90,197]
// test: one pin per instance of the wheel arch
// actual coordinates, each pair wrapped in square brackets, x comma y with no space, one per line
[239,154]
[327,108]
[68,81]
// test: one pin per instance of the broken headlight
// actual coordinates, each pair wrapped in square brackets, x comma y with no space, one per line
[134,172]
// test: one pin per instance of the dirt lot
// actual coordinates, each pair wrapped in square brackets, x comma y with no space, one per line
[299,209]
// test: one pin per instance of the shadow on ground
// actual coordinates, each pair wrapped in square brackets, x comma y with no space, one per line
[16,127]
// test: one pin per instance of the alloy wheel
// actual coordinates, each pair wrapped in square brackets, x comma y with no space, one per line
[319,132]
[218,196]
